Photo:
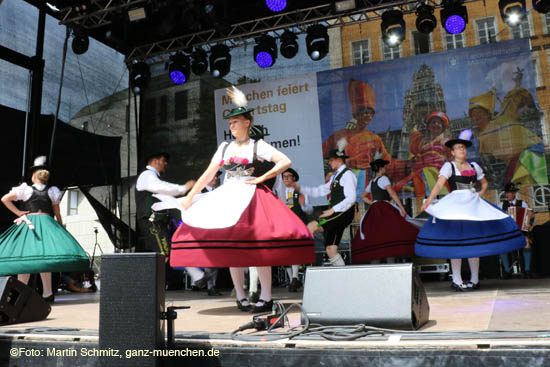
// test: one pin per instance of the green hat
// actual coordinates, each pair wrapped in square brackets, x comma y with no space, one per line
[238,111]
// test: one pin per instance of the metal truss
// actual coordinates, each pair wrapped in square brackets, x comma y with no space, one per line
[97,12]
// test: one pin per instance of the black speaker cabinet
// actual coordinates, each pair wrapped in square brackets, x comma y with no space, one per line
[389,296]
[131,301]
[19,303]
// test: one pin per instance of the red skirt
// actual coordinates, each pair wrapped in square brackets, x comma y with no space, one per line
[386,234]
[268,233]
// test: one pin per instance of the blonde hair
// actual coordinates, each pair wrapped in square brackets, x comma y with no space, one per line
[43,175]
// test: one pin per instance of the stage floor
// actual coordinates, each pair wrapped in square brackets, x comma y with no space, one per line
[500,305]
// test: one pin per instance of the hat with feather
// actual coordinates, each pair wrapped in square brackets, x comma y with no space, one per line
[239,99]
[39,163]
[340,152]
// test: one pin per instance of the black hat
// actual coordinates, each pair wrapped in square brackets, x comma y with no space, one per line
[378,163]
[452,142]
[257,132]
[335,153]
[158,155]
[511,187]
[39,163]
[294,173]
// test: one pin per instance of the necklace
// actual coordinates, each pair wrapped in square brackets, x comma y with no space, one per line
[243,141]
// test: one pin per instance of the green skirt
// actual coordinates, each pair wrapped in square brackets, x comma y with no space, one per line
[47,248]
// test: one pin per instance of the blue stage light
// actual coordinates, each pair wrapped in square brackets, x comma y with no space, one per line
[264,59]
[177,77]
[265,52]
[276,5]
[454,16]
[455,24]
[179,68]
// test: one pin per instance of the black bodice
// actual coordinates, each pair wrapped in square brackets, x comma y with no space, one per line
[377,192]
[461,182]
[39,202]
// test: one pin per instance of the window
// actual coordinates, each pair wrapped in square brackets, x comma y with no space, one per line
[521,30]
[421,42]
[486,30]
[547,22]
[180,105]
[391,53]
[541,196]
[536,68]
[360,52]
[163,109]
[72,206]
[453,41]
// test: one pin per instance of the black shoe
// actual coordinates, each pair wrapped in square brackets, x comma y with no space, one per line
[266,306]
[253,297]
[201,283]
[50,299]
[473,285]
[460,287]
[507,275]
[214,292]
[294,285]
[244,308]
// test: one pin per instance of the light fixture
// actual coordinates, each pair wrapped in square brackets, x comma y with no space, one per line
[425,20]
[512,11]
[289,45]
[344,5]
[136,14]
[265,52]
[393,27]
[220,61]
[317,42]
[81,42]
[139,76]
[454,16]
[208,8]
[179,68]
[541,6]
[276,5]
[199,63]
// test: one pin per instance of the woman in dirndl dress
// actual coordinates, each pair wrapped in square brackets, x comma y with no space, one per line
[463,225]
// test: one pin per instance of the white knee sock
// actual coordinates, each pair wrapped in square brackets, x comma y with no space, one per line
[237,275]
[195,273]
[46,284]
[337,260]
[474,269]
[23,278]
[295,271]
[456,265]
[264,273]
[253,285]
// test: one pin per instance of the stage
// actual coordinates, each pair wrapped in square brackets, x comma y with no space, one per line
[505,320]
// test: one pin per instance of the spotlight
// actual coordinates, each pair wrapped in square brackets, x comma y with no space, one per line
[541,6]
[276,5]
[344,5]
[289,46]
[208,8]
[179,68]
[393,27]
[454,16]
[220,61]
[317,41]
[425,21]
[199,63]
[512,11]
[80,41]
[139,76]
[265,52]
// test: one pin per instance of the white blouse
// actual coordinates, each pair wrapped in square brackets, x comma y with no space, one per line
[23,192]
[263,150]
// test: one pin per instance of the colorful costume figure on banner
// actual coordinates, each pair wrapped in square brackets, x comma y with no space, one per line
[383,230]
[463,225]
[341,186]
[241,223]
[429,153]
[37,243]
[510,191]
[154,227]
[299,204]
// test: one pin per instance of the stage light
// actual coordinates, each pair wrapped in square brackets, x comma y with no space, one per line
[512,11]
[425,21]
[344,5]
[393,27]
[136,14]
[276,5]
[199,63]
[220,61]
[541,6]
[80,41]
[454,16]
[265,52]
[139,76]
[289,46]
[208,8]
[179,68]
[317,42]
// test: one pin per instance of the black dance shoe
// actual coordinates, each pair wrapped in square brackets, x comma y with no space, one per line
[50,299]
[460,287]
[294,285]
[244,308]
[265,306]
[473,286]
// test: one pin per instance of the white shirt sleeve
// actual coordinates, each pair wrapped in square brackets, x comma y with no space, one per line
[318,191]
[479,171]
[524,204]
[383,182]
[218,155]
[446,170]
[22,192]
[149,181]
[500,204]
[265,150]
[54,194]
[368,188]
[349,183]
[307,208]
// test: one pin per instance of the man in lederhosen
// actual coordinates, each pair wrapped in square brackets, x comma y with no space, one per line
[342,187]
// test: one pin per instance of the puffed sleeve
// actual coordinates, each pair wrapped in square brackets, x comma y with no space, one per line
[265,150]
[217,158]
[446,170]
[23,192]
[54,194]
[479,171]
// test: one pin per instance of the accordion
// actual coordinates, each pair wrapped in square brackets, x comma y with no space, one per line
[521,216]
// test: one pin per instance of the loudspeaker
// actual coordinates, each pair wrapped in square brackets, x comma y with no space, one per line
[389,296]
[130,306]
[19,303]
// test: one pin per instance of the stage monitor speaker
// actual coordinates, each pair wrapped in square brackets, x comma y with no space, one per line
[387,296]
[20,303]
[130,306]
